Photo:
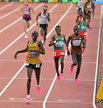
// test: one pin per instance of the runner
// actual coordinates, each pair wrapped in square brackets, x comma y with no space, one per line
[83,28]
[44,16]
[34,48]
[26,11]
[77,47]
[58,40]
[88,8]
[79,17]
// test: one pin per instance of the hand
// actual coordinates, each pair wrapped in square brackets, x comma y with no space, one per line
[37,23]
[68,52]
[15,56]
[57,40]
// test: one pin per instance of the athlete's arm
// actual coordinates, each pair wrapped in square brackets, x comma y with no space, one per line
[68,52]
[65,41]
[32,10]
[51,42]
[37,18]
[21,51]
[48,17]
[42,51]
[20,11]
[84,43]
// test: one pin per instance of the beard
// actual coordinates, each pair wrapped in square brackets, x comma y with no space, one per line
[58,33]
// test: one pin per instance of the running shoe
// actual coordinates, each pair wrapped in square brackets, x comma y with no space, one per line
[39,89]
[83,55]
[28,100]
[26,36]
[76,81]
[58,78]
[71,69]
[62,76]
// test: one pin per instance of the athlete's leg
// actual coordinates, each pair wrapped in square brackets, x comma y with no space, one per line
[62,62]
[41,31]
[25,25]
[37,73]
[28,24]
[79,60]
[29,73]
[74,62]
[45,33]
[56,60]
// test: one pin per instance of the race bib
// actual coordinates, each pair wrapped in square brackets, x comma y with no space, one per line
[33,54]
[59,44]
[76,42]
[83,27]
[88,6]
[26,12]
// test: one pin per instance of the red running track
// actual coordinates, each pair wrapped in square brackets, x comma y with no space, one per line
[65,94]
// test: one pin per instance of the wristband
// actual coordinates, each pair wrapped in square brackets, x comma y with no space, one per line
[54,41]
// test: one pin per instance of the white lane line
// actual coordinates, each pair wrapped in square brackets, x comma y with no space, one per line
[55,101]
[45,100]
[45,78]
[17,20]
[9,13]
[97,62]
[6,6]
[45,61]
[20,68]
[12,79]
[21,35]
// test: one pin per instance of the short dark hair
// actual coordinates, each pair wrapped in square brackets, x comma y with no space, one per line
[57,27]
[35,33]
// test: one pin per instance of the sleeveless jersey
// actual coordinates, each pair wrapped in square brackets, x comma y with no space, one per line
[89,7]
[60,44]
[83,26]
[76,45]
[43,18]
[26,11]
[79,4]
[32,56]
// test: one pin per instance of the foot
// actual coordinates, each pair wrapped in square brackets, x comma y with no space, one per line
[39,89]
[76,81]
[58,78]
[83,55]
[28,100]
[62,76]
[26,36]
[71,69]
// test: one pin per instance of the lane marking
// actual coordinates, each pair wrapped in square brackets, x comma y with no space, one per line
[1,17]
[45,78]
[22,34]
[17,20]
[55,101]
[45,100]
[6,6]
[12,79]
[45,61]
[98,51]
[21,66]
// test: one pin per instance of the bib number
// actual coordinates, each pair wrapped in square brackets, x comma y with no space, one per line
[59,44]
[76,42]
[26,12]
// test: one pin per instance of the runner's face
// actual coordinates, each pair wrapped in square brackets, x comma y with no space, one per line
[76,31]
[58,30]
[34,37]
